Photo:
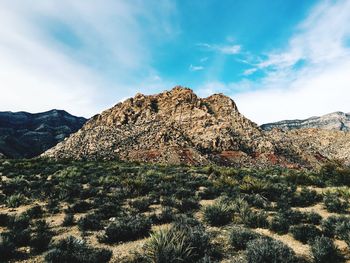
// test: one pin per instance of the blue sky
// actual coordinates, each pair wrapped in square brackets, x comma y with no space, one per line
[276,59]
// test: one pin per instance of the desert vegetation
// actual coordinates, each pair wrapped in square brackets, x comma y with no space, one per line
[112,211]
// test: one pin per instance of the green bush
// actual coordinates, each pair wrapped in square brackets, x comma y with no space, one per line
[330,224]
[313,218]
[40,237]
[68,220]
[239,237]
[4,219]
[305,233]
[279,225]
[166,246]
[126,228]
[334,204]
[218,214]
[90,222]
[141,204]
[324,250]
[7,248]
[306,197]
[15,200]
[35,212]
[74,250]
[263,250]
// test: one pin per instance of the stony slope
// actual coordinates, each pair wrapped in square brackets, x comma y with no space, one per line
[25,135]
[178,127]
[339,121]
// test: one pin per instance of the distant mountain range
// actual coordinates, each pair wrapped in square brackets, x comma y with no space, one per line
[26,135]
[338,121]
[178,127]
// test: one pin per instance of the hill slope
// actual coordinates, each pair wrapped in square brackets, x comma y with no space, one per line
[25,135]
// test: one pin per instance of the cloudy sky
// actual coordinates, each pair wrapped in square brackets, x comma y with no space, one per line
[277,59]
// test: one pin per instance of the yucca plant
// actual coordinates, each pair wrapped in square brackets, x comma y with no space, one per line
[167,246]
[218,214]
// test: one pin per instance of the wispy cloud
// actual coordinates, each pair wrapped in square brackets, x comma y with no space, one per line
[223,49]
[250,71]
[40,70]
[309,76]
[195,68]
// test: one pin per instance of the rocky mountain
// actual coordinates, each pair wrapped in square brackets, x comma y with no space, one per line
[177,127]
[25,135]
[338,121]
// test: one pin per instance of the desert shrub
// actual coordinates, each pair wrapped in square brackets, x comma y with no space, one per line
[168,245]
[40,236]
[68,220]
[305,232]
[187,204]
[15,200]
[239,237]
[53,206]
[90,222]
[74,250]
[4,219]
[334,204]
[7,248]
[80,207]
[108,210]
[19,231]
[313,218]
[165,216]
[329,225]
[324,250]
[294,217]
[126,228]
[256,219]
[141,204]
[264,250]
[218,214]
[279,224]
[35,211]
[306,197]
[257,200]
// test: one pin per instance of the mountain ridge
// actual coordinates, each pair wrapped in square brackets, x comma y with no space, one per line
[26,135]
[332,121]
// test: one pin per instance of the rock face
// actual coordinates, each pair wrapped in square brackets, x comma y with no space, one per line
[26,135]
[338,121]
[176,127]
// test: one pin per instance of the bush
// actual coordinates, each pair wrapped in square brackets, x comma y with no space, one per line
[187,204]
[41,236]
[279,224]
[305,233]
[80,207]
[313,218]
[185,241]
[35,211]
[168,245]
[165,216]
[334,204]
[329,225]
[218,214]
[306,197]
[68,220]
[19,231]
[263,250]
[141,204]
[126,228]
[256,219]
[90,222]
[15,200]
[324,250]
[239,237]
[7,248]
[4,219]
[74,250]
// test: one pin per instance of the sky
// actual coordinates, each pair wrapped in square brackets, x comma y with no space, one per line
[276,59]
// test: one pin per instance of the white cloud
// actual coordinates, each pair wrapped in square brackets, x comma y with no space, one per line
[310,76]
[38,72]
[250,71]
[223,49]
[229,50]
[195,68]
